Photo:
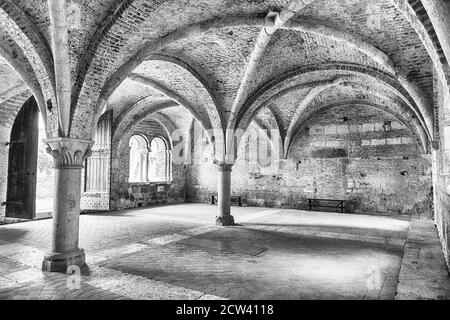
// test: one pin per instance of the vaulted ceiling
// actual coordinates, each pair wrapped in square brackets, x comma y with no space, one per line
[228,63]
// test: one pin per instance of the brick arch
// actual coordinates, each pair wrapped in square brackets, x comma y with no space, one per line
[10,107]
[357,42]
[142,141]
[417,16]
[108,82]
[428,20]
[192,30]
[28,52]
[259,124]
[173,95]
[313,95]
[414,129]
[176,100]
[277,122]
[168,125]
[163,139]
[115,12]
[131,117]
[101,94]
[124,140]
[200,78]
[23,69]
[96,96]
[267,92]
[214,117]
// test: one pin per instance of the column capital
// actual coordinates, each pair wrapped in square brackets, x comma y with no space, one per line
[221,167]
[220,159]
[69,152]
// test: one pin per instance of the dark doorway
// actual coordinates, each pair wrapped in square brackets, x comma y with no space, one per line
[22,163]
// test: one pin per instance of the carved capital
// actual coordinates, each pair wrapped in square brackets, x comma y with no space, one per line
[223,167]
[224,159]
[68,152]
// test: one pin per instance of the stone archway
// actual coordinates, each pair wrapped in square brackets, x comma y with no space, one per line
[22,163]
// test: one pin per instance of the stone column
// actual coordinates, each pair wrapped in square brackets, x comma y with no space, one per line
[168,165]
[68,156]
[224,217]
[145,161]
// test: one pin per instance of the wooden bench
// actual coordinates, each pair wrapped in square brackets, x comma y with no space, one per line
[233,199]
[337,204]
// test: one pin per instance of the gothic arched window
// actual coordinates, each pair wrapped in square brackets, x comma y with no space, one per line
[159,166]
[138,159]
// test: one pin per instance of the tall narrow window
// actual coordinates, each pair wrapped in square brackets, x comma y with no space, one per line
[159,161]
[138,159]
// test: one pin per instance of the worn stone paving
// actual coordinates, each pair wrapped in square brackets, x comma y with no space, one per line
[176,252]
[422,276]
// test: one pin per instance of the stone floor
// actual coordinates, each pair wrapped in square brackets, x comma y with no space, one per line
[175,252]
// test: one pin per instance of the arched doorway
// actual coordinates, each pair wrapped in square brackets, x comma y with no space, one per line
[30,181]
[22,163]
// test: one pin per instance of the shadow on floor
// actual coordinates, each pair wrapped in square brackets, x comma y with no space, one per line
[12,235]
[377,232]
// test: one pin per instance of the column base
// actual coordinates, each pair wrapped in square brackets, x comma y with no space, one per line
[59,262]
[225,221]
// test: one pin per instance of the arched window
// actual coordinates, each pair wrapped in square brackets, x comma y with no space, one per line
[138,159]
[159,161]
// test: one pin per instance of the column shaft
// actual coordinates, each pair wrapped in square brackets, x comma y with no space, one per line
[224,217]
[66,209]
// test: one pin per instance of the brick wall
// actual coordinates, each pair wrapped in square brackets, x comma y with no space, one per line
[370,159]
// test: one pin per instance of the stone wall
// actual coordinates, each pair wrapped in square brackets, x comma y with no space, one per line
[369,159]
[5,132]
[441,164]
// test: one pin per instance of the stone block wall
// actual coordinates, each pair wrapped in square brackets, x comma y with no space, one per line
[371,160]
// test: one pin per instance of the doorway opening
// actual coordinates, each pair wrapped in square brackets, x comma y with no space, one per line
[45,178]
[30,169]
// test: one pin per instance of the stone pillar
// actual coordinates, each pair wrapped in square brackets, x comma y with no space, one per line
[434,175]
[68,156]
[145,162]
[224,217]
[168,165]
